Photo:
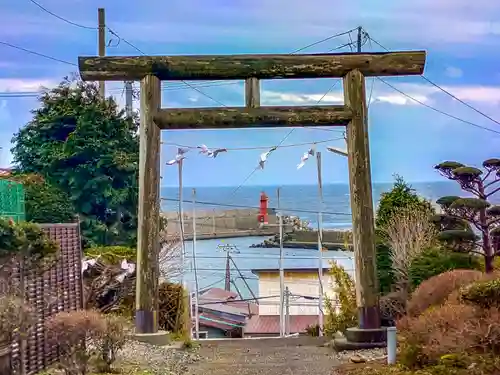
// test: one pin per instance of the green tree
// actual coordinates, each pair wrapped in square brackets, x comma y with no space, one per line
[88,148]
[400,197]
[44,202]
[462,215]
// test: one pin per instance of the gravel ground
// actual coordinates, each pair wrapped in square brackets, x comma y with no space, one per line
[231,360]
[158,360]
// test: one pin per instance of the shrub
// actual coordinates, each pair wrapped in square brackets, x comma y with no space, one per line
[437,289]
[385,274]
[75,334]
[442,330]
[392,307]
[448,330]
[435,261]
[346,297]
[114,337]
[26,241]
[456,364]
[484,294]
[112,254]
[313,330]
[401,197]
[408,233]
[15,316]
[172,307]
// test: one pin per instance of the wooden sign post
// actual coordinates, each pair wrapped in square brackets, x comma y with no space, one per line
[352,67]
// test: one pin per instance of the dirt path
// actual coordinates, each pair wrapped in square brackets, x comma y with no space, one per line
[264,357]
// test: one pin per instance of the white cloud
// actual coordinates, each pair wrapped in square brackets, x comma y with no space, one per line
[454,72]
[26,84]
[275,98]
[399,99]
[476,95]
[423,21]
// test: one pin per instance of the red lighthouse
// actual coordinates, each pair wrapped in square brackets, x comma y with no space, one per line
[263,208]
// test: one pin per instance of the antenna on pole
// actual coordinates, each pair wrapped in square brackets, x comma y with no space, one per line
[229,249]
[359,39]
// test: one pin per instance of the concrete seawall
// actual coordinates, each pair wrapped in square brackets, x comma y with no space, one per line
[212,224]
[222,224]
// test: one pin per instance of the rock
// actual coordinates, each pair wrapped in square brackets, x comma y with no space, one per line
[329,344]
[357,359]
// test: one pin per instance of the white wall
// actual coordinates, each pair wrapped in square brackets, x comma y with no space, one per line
[305,284]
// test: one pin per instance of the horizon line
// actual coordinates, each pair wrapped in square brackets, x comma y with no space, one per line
[292,184]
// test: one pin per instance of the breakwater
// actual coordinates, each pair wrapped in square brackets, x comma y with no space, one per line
[214,224]
[221,224]
[301,239]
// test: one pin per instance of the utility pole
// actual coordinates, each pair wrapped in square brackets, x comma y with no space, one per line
[197,287]
[102,44]
[359,41]
[320,244]
[228,249]
[287,311]
[181,220]
[282,270]
[129,97]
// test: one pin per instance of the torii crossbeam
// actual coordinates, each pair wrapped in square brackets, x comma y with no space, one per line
[352,67]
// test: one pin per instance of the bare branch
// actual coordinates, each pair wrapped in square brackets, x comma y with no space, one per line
[488,173]
[408,233]
[492,183]
[170,257]
[493,191]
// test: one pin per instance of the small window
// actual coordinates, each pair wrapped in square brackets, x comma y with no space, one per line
[203,335]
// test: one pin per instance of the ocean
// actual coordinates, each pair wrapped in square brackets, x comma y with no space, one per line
[301,201]
[295,200]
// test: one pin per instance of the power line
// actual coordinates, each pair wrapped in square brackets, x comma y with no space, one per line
[143,53]
[255,147]
[238,300]
[62,18]
[438,110]
[460,100]
[254,207]
[37,53]
[123,40]
[280,143]
[323,40]
[447,93]
[275,257]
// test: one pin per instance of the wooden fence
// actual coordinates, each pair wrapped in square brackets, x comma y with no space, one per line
[57,289]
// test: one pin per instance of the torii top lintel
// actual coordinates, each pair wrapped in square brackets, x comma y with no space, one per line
[233,67]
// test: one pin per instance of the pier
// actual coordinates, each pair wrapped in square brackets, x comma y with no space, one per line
[223,224]
[214,224]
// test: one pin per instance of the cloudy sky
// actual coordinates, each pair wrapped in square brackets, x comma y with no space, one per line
[462,39]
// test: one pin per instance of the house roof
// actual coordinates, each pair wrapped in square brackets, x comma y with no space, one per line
[290,269]
[224,308]
[214,321]
[218,294]
[270,324]
[216,299]
[247,307]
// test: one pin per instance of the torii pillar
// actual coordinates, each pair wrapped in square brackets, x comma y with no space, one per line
[351,67]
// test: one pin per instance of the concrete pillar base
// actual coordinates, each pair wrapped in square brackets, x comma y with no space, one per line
[160,338]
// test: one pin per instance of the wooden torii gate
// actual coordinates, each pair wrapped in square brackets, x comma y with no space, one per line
[352,67]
